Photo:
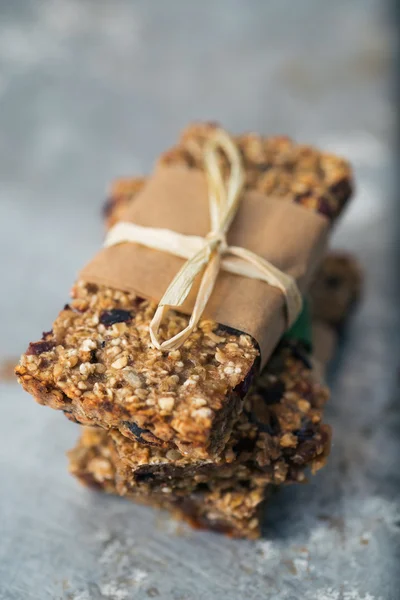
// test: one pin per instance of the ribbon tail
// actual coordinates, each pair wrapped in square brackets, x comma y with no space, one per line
[206,287]
[180,287]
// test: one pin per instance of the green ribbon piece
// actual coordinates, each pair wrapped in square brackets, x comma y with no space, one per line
[301,329]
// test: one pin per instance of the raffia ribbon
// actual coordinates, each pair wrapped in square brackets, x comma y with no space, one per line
[208,254]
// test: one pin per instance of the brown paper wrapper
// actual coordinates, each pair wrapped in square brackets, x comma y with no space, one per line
[175,197]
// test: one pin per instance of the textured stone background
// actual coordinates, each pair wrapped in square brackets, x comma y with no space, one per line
[93,89]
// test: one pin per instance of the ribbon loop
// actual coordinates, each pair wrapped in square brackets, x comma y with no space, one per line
[209,254]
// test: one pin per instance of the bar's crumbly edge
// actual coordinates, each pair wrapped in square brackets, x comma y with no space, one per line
[226,497]
[233,508]
[97,363]
[278,434]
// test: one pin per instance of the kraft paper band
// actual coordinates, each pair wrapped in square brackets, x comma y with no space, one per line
[287,235]
[207,255]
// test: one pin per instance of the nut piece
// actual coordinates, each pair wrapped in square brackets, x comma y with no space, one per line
[133,378]
[288,440]
[86,369]
[120,363]
[202,413]
[173,455]
[166,403]
[88,345]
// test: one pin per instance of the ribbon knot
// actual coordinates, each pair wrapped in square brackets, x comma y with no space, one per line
[217,239]
[209,254]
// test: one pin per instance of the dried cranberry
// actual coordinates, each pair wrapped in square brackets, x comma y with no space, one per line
[47,334]
[139,300]
[305,452]
[324,208]
[306,432]
[272,427]
[341,189]
[243,387]
[143,436]
[135,429]
[265,420]
[115,315]
[144,476]
[274,393]
[92,288]
[107,406]
[244,445]
[332,282]
[40,347]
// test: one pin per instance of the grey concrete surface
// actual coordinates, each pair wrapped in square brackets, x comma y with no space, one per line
[93,89]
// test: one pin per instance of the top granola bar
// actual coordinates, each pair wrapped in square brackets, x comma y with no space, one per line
[97,363]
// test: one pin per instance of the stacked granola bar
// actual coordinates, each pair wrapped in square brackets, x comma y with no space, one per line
[181,429]
[278,437]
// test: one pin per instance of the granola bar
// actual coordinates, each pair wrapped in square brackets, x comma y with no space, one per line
[336,287]
[97,363]
[278,436]
[337,284]
[226,496]
[230,507]
[278,433]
